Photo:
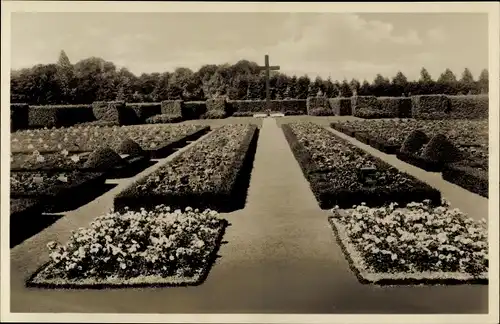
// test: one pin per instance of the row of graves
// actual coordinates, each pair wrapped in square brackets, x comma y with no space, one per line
[165,228]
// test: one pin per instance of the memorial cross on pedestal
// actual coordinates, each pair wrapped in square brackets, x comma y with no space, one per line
[268,69]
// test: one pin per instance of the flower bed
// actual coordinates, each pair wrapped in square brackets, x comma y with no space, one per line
[212,173]
[57,189]
[147,248]
[154,139]
[64,161]
[334,169]
[394,131]
[412,245]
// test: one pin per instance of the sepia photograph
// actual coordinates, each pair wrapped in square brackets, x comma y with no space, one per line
[261,161]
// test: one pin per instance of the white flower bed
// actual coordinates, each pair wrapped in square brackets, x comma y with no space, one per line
[415,243]
[148,247]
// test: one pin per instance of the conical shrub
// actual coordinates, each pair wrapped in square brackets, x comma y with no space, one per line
[103,159]
[129,146]
[414,141]
[441,149]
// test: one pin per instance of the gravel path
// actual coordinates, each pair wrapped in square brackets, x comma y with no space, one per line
[280,257]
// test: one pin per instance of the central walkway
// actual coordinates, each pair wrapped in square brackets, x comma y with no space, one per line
[280,257]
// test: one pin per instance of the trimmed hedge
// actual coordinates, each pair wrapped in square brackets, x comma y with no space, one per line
[395,106]
[318,105]
[163,119]
[172,107]
[216,108]
[368,113]
[193,109]
[250,107]
[430,107]
[472,179]
[469,107]
[243,114]
[112,111]
[60,115]
[341,106]
[321,111]
[364,102]
[19,116]
[142,111]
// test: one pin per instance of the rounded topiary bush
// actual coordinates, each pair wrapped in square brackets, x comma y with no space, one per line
[128,146]
[441,149]
[414,141]
[103,159]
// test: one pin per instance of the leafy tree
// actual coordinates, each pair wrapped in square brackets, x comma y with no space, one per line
[483,81]
[365,89]
[399,85]
[303,83]
[466,84]
[447,83]
[345,89]
[381,86]
[354,86]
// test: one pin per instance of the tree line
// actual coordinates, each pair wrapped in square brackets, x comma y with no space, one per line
[94,79]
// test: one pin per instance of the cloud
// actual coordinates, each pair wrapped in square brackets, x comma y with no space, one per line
[436,34]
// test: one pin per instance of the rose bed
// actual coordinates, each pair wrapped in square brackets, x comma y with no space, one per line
[418,244]
[135,249]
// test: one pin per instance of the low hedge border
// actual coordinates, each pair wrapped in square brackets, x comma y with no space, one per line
[472,179]
[380,145]
[63,196]
[131,165]
[149,282]
[287,106]
[176,143]
[21,209]
[368,113]
[354,260]
[363,137]
[164,119]
[328,197]
[227,198]
[420,162]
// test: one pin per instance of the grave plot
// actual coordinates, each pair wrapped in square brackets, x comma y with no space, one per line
[457,148]
[59,190]
[156,140]
[156,248]
[342,174]
[213,173]
[415,244]
[388,135]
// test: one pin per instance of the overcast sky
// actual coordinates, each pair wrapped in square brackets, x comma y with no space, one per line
[328,44]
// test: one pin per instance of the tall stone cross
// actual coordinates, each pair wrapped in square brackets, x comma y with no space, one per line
[268,69]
